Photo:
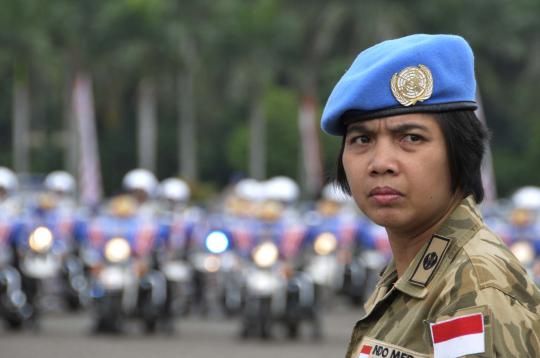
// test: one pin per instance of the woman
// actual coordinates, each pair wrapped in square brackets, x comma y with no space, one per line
[411,155]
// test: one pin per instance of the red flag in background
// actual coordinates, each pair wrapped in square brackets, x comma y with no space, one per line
[89,165]
[309,132]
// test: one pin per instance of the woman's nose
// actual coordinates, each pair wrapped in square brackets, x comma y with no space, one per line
[383,159]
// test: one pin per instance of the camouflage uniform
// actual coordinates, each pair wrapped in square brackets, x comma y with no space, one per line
[463,269]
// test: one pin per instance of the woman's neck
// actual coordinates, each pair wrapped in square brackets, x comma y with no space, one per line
[406,244]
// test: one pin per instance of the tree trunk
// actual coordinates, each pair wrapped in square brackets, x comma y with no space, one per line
[257,139]
[146,124]
[186,126]
[71,138]
[326,29]
[21,123]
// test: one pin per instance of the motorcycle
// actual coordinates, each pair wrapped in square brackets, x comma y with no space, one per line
[361,273]
[216,271]
[47,256]
[178,273]
[339,251]
[14,307]
[322,263]
[314,285]
[114,286]
[276,291]
[265,294]
[126,280]
[40,262]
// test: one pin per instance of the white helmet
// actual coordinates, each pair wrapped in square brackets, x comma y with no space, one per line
[60,181]
[140,179]
[282,189]
[8,179]
[249,189]
[174,189]
[527,197]
[333,193]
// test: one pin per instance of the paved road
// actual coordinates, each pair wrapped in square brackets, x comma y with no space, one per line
[63,335]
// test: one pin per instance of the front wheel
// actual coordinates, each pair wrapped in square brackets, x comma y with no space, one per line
[150,326]
[265,318]
[14,323]
[109,315]
[257,319]
[292,330]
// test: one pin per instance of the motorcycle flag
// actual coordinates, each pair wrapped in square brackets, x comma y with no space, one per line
[89,166]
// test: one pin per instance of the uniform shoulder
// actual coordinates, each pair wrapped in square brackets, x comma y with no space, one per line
[495,267]
[491,259]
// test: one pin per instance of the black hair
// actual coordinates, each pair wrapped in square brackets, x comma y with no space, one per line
[465,136]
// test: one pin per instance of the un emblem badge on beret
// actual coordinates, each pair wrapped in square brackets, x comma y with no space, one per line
[412,84]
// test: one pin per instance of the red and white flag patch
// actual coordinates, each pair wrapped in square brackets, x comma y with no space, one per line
[365,351]
[458,336]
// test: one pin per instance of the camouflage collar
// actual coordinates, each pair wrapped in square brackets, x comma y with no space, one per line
[438,252]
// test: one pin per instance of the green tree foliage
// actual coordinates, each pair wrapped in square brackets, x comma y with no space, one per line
[241,51]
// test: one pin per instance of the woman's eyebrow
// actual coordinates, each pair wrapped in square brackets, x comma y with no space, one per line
[398,128]
[358,127]
[405,127]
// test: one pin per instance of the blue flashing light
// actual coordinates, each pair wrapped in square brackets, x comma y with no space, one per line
[217,242]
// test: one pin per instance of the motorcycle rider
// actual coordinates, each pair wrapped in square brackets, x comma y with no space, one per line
[278,215]
[63,186]
[177,222]
[9,202]
[142,290]
[336,224]
[178,218]
[279,224]
[142,184]
[523,231]
[46,252]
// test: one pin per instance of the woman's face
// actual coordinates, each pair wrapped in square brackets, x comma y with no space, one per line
[397,169]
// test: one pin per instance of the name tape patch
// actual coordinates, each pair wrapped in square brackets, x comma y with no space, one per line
[370,348]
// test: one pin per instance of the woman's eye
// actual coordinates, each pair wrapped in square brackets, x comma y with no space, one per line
[412,138]
[361,139]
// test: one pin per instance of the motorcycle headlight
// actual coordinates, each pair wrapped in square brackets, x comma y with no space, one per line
[265,254]
[325,243]
[117,250]
[523,251]
[40,240]
[212,263]
[216,242]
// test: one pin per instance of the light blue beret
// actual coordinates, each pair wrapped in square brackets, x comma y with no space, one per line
[417,73]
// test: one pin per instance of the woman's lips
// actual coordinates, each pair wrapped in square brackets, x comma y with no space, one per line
[384,195]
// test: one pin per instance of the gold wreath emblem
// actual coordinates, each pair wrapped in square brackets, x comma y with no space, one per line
[412,84]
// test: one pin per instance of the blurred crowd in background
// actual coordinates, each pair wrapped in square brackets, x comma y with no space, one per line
[148,256]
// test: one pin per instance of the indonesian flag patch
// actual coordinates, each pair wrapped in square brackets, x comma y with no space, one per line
[458,336]
[365,351]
